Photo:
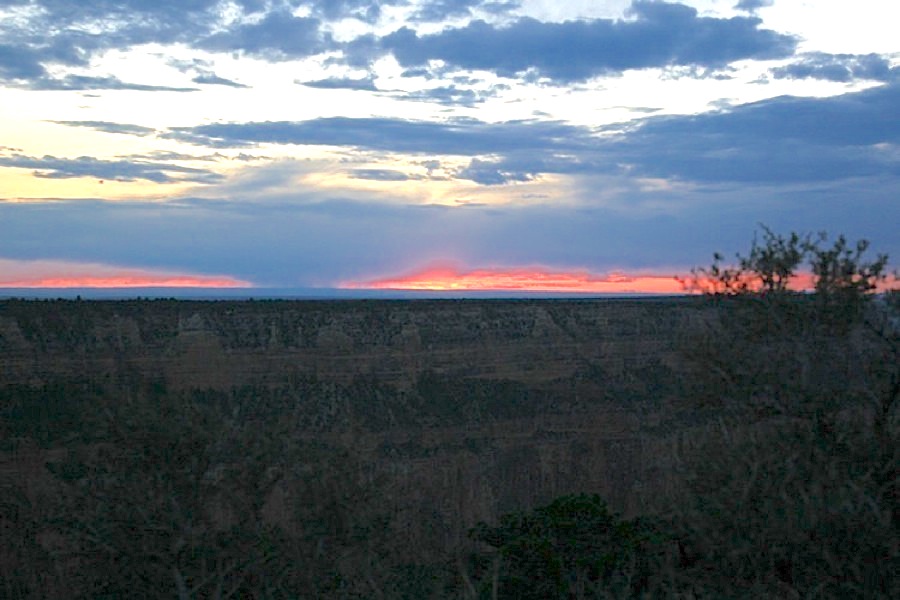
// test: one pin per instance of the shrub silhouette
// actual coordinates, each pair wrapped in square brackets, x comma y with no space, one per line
[790,489]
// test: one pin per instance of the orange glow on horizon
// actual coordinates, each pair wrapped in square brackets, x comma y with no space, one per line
[449,279]
[61,274]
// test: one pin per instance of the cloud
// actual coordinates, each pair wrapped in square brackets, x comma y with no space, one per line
[68,274]
[493,173]
[460,137]
[168,156]
[366,84]
[17,63]
[213,79]
[51,167]
[84,82]
[660,35]
[752,5]
[782,140]
[380,175]
[441,10]
[278,36]
[367,11]
[108,127]
[778,140]
[66,34]
[276,235]
[451,95]
[535,279]
[838,67]
[202,71]
[62,33]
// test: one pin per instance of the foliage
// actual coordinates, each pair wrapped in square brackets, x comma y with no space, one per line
[796,475]
[163,495]
[767,269]
[572,547]
[788,509]
[841,272]
[772,350]
[167,500]
[788,489]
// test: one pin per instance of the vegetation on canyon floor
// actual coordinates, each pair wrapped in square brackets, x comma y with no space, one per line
[779,429]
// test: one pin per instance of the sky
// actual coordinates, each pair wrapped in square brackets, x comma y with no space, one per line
[589,145]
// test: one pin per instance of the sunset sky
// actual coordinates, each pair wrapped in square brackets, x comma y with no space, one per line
[578,145]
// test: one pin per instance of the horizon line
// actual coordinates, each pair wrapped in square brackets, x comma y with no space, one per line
[299,293]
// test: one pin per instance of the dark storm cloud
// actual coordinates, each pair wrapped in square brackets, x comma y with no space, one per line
[108,127]
[460,137]
[838,67]
[366,84]
[661,35]
[51,167]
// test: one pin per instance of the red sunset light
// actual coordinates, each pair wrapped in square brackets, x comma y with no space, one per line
[524,279]
[125,282]
[61,274]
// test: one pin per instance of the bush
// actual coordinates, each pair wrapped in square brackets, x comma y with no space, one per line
[791,491]
[573,547]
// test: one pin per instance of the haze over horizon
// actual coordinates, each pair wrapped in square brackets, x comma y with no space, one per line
[458,145]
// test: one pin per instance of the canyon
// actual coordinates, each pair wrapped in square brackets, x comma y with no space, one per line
[452,411]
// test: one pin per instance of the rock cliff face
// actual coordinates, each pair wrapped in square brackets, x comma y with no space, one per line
[221,345]
[467,408]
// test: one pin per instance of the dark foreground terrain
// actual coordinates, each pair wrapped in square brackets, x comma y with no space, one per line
[445,449]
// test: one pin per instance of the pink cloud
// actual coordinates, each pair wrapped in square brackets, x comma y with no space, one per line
[538,279]
[65,274]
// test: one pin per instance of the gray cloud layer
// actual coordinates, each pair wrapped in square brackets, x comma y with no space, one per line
[322,240]
[780,140]
[51,167]
[279,36]
[838,67]
[213,79]
[660,35]
[347,83]
[108,127]
[461,137]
